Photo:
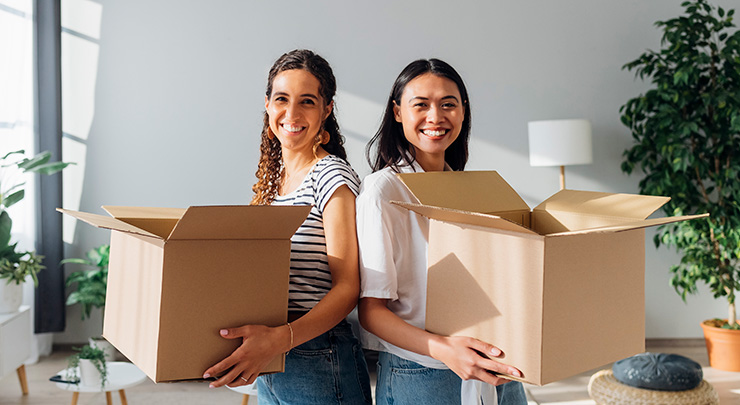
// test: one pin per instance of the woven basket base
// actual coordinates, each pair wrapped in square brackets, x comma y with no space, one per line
[605,389]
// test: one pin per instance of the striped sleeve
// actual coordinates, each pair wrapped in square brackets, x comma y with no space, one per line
[334,173]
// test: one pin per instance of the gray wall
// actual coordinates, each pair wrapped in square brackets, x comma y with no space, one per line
[179,91]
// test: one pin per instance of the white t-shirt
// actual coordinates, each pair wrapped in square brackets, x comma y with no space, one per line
[393,255]
[393,244]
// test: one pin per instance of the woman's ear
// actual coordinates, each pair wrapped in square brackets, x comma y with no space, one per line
[329,107]
[267,101]
[396,112]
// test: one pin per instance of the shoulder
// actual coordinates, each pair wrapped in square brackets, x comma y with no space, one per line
[382,185]
[333,171]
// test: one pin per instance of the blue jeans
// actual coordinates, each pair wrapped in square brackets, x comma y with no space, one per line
[328,369]
[402,382]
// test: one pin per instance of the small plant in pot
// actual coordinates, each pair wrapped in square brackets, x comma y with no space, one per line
[89,287]
[16,266]
[91,364]
[686,135]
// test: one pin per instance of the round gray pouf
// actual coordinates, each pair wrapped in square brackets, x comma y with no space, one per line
[658,371]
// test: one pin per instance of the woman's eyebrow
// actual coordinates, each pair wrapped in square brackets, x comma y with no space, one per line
[426,98]
[282,93]
[415,98]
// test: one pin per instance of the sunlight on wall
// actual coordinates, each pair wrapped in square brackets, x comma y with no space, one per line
[358,118]
[81,22]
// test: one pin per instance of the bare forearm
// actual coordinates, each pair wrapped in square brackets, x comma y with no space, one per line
[380,321]
[469,358]
[334,307]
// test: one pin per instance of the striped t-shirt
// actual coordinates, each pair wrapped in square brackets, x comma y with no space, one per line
[310,278]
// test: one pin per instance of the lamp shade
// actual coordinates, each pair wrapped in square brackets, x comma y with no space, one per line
[560,143]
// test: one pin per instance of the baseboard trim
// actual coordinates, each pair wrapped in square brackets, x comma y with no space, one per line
[674,342]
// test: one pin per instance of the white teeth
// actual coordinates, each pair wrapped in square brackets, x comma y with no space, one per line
[291,128]
[428,132]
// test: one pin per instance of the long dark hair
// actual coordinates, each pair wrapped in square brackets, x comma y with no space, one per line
[391,145]
[269,170]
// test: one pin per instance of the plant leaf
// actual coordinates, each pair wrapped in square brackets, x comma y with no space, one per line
[13,198]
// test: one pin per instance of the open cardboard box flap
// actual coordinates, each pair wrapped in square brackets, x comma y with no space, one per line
[200,222]
[476,191]
[646,223]
[468,218]
[104,222]
[484,198]
[628,206]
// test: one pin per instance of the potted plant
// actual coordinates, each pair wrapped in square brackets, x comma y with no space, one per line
[91,364]
[16,266]
[89,288]
[686,134]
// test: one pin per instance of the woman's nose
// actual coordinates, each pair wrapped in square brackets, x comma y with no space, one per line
[434,114]
[292,111]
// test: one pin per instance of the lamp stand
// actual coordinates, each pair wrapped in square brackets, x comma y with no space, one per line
[562,177]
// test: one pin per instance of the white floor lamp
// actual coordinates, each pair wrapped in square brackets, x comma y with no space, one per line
[560,143]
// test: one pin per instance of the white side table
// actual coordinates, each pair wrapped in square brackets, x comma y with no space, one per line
[121,375]
[15,343]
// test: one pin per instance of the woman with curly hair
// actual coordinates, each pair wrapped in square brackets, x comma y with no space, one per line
[302,162]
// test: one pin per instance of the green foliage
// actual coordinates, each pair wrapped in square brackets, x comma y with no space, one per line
[92,353]
[686,133]
[18,271]
[15,266]
[91,285]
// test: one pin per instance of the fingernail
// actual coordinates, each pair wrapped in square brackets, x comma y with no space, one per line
[515,373]
[223,332]
[206,375]
[211,386]
[495,351]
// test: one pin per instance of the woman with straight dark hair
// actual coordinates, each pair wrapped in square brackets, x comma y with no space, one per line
[426,127]
[302,162]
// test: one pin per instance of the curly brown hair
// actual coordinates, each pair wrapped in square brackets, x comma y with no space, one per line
[270,168]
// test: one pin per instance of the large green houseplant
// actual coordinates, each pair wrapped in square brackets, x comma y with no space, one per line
[89,286]
[686,132]
[16,265]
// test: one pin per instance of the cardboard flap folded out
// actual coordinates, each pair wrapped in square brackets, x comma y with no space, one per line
[476,191]
[468,218]
[645,223]
[122,212]
[240,222]
[603,204]
[101,221]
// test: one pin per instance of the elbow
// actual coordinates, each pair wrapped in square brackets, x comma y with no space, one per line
[362,314]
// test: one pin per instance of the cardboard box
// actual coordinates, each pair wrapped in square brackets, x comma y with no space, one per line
[559,289]
[177,276]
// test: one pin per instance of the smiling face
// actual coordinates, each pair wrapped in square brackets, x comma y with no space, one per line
[431,113]
[296,110]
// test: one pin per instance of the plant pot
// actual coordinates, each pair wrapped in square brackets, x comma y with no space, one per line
[723,347]
[11,297]
[89,375]
[104,345]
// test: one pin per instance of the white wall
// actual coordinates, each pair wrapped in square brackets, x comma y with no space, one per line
[175,110]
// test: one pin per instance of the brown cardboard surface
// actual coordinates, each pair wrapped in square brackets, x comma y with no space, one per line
[171,290]
[106,222]
[603,204]
[484,192]
[561,297]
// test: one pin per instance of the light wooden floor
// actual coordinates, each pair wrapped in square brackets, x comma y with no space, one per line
[572,391]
